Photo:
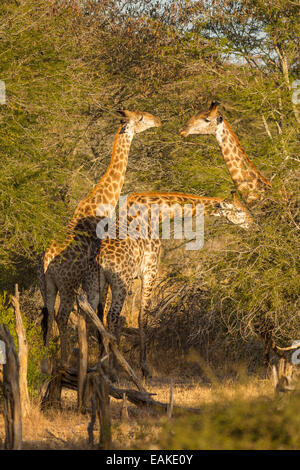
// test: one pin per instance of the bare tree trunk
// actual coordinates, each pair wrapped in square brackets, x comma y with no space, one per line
[104,415]
[11,391]
[108,340]
[285,71]
[98,391]
[23,354]
[52,396]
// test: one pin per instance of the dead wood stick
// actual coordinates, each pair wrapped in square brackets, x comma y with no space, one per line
[108,339]
[23,353]
[55,437]
[83,358]
[124,409]
[171,403]
[288,348]
[104,413]
[282,376]
[93,420]
[98,395]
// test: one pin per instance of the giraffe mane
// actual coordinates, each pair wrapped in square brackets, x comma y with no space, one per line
[261,177]
[95,189]
[190,196]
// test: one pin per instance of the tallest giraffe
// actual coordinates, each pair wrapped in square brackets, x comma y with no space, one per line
[250,183]
[62,267]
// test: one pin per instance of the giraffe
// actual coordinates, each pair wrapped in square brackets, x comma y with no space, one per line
[250,183]
[62,266]
[120,260]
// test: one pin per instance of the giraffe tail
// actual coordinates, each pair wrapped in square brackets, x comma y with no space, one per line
[43,290]
[101,304]
[102,289]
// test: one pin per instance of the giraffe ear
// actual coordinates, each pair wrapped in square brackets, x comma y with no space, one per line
[125,114]
[214,105]
[213,109]
[122,113]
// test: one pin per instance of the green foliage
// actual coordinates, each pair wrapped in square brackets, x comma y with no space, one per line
[36,350]
[237,425]
[68,66]
[7,316]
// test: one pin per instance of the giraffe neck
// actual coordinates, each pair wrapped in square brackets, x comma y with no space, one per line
[165,201]
[108,189]
[82,227]
[248,180]
[144,208]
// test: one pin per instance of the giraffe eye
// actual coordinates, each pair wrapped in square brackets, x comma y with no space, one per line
[141,119]
[206,120]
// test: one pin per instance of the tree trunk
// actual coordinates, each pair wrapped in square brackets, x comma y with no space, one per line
[23,354]
[11,391]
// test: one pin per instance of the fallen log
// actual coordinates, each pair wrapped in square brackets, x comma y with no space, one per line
[143,399]
[69,379]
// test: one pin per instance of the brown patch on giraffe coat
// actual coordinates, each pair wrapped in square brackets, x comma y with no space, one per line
[235,173]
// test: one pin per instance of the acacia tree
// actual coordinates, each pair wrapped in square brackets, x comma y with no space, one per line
[68,66]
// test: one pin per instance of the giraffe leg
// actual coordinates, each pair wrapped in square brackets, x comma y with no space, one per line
[100,311]
[148,282]
[119,291]
[47,320]
[65,308]
[96,287]
[48,310]
[151,260]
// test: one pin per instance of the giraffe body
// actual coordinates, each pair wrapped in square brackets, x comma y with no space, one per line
[117,262]
[250,183]
[62,266]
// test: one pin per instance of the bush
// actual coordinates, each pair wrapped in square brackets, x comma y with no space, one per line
[36,350]
[238,425]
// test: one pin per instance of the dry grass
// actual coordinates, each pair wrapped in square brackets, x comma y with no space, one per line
[66,429]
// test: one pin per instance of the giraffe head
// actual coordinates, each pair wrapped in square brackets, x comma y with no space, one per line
[138,121]
[234,211]
[205,122]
